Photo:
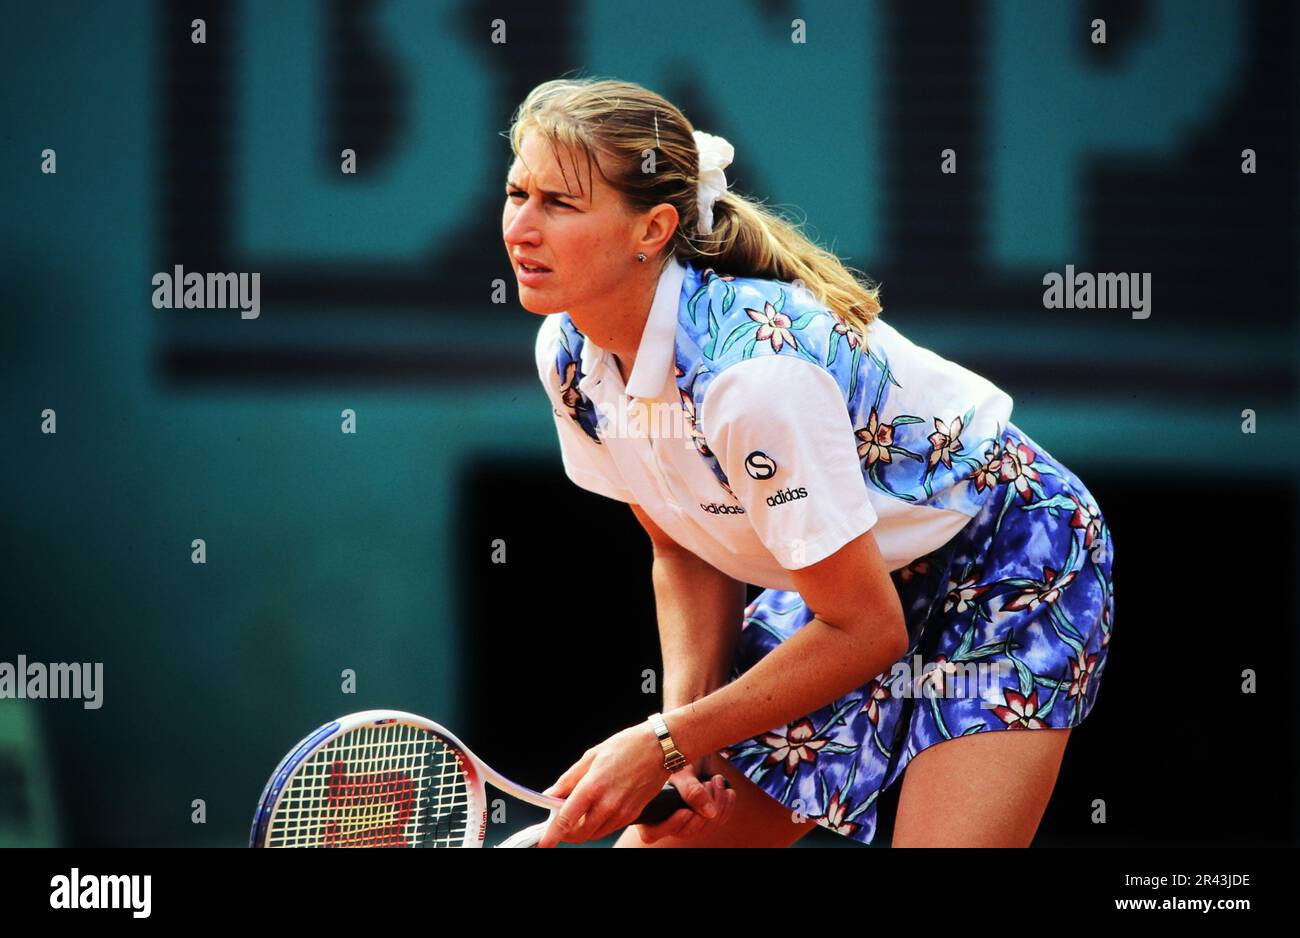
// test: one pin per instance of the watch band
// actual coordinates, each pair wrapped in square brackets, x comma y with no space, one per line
[673,759]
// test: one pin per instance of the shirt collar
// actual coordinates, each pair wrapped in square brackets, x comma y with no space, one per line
[654,365]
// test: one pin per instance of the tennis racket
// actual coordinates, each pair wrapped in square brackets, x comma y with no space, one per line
[385,778]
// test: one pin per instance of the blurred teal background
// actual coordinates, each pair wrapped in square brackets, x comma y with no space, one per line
[368,552]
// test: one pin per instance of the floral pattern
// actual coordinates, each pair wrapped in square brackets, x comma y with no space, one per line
[1026,586]
[568,368]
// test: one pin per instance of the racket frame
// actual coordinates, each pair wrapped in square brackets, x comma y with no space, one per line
[476,773]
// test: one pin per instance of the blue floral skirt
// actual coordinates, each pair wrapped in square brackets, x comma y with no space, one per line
[1008,627]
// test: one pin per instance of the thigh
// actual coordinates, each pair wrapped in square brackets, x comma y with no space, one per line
[757,820]
[988,789]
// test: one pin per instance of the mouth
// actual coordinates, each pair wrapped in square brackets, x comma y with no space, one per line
[528,268]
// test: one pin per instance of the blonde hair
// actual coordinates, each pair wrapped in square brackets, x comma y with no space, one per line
[621,121]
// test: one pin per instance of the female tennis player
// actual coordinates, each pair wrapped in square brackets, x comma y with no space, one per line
[932,577]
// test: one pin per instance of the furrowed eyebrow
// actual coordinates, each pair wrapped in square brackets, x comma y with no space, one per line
[552,193]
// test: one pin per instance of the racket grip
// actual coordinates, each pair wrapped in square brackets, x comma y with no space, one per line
[663,805]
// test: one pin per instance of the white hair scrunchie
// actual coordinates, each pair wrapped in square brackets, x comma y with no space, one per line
[716,155]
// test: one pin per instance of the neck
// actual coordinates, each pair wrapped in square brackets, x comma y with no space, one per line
[617,323]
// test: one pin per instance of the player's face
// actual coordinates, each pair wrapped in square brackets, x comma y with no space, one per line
[583,236]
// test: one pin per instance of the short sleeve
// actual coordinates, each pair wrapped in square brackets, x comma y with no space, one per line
[587,462]
[782,434]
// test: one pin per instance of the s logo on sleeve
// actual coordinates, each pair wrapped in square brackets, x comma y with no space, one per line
[759,465]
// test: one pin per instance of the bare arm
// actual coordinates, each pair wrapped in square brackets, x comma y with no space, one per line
[699,609]
[858,631]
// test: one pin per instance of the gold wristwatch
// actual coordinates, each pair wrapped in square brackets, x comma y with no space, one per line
[673,760]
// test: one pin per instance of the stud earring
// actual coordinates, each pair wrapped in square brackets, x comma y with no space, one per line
[641,258]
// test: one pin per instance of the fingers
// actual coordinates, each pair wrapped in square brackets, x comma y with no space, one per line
[587,816]
[724,799]
[555,832]
[670,827]
[687,822]
[567,824]
[697,795]
[566,828]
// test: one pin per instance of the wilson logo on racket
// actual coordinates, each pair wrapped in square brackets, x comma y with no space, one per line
[384,802]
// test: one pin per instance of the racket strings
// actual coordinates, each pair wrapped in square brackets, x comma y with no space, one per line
[387,785]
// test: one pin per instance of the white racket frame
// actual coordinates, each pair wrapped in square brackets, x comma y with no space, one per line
[477,772]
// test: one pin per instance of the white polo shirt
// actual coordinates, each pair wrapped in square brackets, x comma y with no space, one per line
[766,456]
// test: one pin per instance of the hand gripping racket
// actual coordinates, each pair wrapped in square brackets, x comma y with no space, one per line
[385,778]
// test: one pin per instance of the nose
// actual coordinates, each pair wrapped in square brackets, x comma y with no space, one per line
[520,227]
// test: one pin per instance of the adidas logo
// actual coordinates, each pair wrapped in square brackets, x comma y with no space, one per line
[714,508]
[787,495]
